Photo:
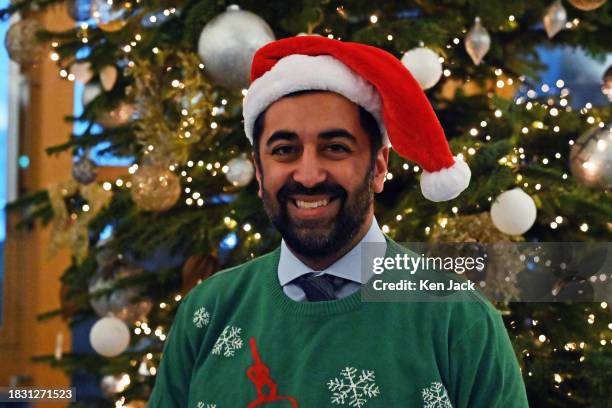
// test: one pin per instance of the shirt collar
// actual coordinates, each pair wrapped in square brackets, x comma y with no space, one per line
[347,267]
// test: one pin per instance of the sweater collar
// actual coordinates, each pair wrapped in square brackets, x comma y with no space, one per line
[347,267]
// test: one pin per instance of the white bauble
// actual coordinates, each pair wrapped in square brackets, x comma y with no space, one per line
[513,212]
[90,92]
[240,171]
[424,65]
[82,71]
[227,45]
[109,336]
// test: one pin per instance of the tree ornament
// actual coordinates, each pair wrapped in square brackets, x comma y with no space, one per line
[606,83]
[587,5]
[21,43]
[424,65]
[502,265]
[555,18]
[78,10]
[477,42]
[119,116]
[109,336]
[240,171]
[109,15]
[513,212]
[82,71]
[155,187]
[128,304]
[227,45]
[114,384]
[97,284]
[84,170]
[90,92]
[108,77]
[591,157]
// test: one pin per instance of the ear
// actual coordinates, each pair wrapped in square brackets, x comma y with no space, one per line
[380,168]
[258,177]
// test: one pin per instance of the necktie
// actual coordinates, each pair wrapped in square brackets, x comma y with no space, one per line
[317,287]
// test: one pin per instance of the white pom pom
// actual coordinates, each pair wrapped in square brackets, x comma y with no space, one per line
[446,184]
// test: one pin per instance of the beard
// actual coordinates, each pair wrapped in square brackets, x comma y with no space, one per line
[320,238]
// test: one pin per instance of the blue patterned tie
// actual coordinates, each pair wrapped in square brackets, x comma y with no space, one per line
[317,287]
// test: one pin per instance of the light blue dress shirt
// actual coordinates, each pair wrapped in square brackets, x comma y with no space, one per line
[347,267]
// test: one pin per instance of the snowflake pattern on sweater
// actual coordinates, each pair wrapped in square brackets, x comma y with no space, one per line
[352,389]
[228,342]
[201,317]
[202,404]
[435,396]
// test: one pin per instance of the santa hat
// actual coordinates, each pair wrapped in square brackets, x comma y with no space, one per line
[371,78]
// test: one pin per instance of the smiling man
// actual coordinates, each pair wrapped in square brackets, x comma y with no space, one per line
[289,328]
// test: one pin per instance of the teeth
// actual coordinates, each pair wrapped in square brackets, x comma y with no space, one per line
[311,204]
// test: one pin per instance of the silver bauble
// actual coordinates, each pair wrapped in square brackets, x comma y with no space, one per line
[119,116]
[587,5]
[114,384]
[591,157]
[555,18]
[109,15]
[21,42]
[155,187]
[78,10]
[240,171]
[477,42]
[127,303]
[100,304]
[84,170]
[227,45]
[606,83]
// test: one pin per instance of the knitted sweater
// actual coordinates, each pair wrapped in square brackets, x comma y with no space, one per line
[238,341]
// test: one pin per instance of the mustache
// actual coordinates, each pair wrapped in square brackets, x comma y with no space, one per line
[325,188]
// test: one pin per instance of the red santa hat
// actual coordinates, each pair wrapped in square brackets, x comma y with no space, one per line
[371,78]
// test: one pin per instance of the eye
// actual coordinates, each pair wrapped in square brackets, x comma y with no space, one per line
[337,148]
[283,150]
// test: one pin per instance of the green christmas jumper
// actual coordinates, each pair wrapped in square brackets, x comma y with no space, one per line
[238,341]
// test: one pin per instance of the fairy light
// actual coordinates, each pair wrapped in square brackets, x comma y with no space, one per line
[119,182]
[107,186]
[178,298]
[556,129]
[447,73]
[554,112]
[398,217]
[584,227]
[500,83]
[71,77]
[542,338]
[247,227]
[385,229]
[416,169]
[373,19]
[538,187]
[591,319]
[545,88]
[498,113]
[162,305]
[511,18]
[590,120]
[524,130]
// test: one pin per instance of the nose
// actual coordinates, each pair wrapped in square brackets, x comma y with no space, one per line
[309,169]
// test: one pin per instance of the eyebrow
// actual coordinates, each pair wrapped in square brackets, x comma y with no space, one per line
[326,135]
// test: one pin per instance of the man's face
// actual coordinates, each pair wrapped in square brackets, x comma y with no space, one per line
[316,179]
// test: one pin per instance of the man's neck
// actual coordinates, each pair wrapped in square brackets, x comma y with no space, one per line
[319,264]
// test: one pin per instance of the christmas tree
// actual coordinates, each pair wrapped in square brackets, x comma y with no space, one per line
[164,83]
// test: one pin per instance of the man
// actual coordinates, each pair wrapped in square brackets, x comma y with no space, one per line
[289,328]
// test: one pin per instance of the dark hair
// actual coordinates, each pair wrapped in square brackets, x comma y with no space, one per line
[367,120]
